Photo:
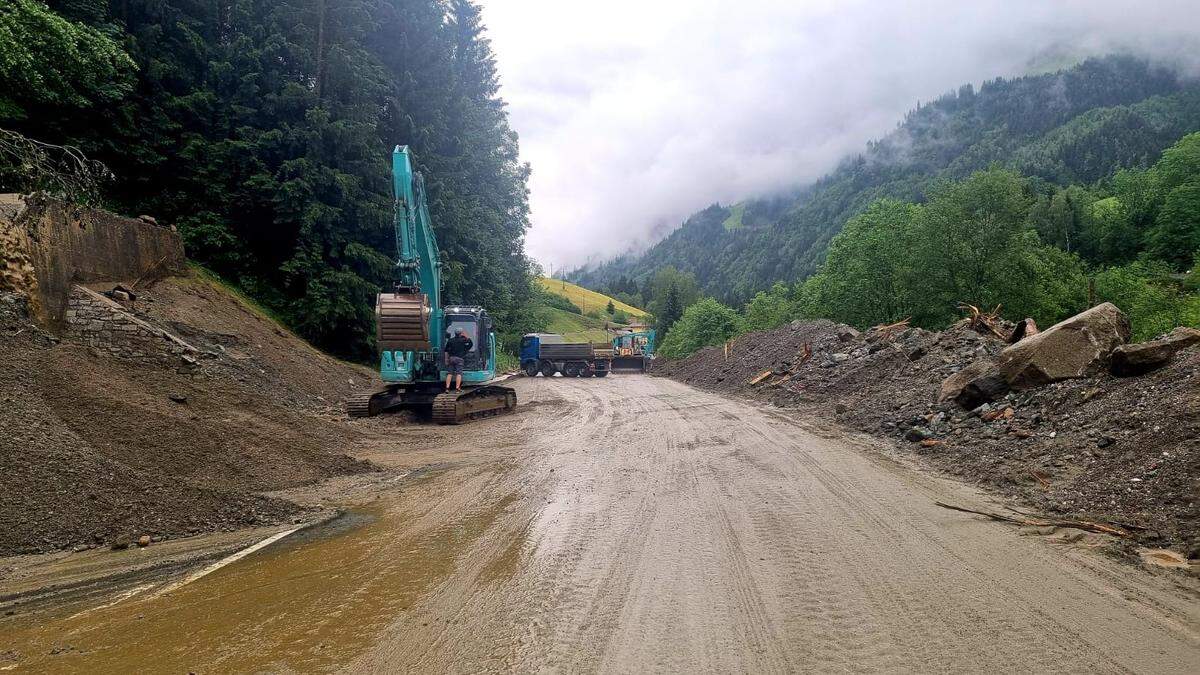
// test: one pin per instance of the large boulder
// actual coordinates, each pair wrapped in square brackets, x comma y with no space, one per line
[1077,347]
[1147,356]
[975,385]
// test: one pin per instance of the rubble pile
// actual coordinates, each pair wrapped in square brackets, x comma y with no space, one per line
[1044,420]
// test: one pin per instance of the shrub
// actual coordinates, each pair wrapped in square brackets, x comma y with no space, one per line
[703,324]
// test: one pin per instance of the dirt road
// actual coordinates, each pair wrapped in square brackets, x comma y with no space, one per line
[636,524]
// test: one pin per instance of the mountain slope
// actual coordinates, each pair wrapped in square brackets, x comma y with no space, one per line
[1076,125]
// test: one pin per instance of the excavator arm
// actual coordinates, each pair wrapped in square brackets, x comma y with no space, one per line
[406,319]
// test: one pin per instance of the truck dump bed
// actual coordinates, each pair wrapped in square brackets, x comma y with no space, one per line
[573,351]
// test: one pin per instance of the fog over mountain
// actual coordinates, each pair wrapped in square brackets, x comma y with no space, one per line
[635,115]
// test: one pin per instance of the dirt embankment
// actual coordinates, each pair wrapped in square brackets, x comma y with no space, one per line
[1120,450]
[103,443]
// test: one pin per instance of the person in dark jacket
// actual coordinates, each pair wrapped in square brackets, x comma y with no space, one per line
[456,352]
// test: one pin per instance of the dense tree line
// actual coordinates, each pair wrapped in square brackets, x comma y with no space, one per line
[1073,127]
[998,239]
[263,129]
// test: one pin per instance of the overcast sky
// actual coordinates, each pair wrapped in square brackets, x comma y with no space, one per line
[636,114]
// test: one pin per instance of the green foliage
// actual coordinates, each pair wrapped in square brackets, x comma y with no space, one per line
[631,299]
[770,309]
[263,131]
[47,61]
[610,308]
[1192,281]
[506,360]
[1147,293]
[1176,232]
[666,282]
[1111,232]
[704,323]
[620,317]
[872,274]
[1180,163]
[970,244]
[671,311]
[557,301]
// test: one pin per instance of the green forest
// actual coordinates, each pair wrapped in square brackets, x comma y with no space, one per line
[262,130]
[1038,195]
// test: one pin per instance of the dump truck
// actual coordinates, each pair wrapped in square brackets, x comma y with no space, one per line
[550,353]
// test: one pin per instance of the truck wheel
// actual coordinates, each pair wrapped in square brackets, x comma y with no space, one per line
[601,373]
[531,368]
[548,369]
[585,371]
[571,370]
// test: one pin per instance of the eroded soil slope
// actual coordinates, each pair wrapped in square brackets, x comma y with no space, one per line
[1123,450]
[96,447]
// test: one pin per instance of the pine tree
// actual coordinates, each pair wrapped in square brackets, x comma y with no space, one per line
[672,310]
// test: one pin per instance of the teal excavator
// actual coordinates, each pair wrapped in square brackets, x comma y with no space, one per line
[412,326]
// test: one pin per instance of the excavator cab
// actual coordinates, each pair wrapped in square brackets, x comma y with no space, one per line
[479,365]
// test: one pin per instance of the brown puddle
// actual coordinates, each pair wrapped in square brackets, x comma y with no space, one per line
[311,607]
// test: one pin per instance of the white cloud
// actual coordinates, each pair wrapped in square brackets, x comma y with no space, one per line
[636,114]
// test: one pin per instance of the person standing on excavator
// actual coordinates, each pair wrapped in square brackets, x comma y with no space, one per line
[456,353]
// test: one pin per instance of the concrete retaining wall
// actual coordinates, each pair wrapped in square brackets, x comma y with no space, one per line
[65,245]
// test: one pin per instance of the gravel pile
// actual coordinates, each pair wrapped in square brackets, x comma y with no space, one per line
[97,450]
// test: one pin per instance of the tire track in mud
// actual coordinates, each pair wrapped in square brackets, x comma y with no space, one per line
[906,598]
[633,524]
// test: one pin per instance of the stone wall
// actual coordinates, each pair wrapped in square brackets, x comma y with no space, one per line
[65,245]
[102,323]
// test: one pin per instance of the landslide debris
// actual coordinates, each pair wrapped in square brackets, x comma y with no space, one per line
[102,446]
[1098,447]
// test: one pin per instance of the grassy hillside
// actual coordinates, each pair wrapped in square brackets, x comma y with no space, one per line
[736,213]
[575,327]
[587,300]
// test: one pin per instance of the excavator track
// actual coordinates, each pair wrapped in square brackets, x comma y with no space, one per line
[456,407]
[363,404]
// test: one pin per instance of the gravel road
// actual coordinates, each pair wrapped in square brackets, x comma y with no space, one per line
[635,524]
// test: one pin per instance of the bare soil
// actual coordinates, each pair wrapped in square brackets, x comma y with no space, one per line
[1117,450]
[636,524]
[98,450]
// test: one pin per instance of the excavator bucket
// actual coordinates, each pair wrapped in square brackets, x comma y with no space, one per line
[402,321]
[629,364]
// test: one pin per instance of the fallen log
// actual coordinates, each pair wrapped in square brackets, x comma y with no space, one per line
[891,329]
[764,375]
[1086,525]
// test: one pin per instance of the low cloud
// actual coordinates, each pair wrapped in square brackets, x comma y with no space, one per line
[636,114]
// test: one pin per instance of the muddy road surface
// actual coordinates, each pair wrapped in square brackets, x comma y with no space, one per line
[634,524]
